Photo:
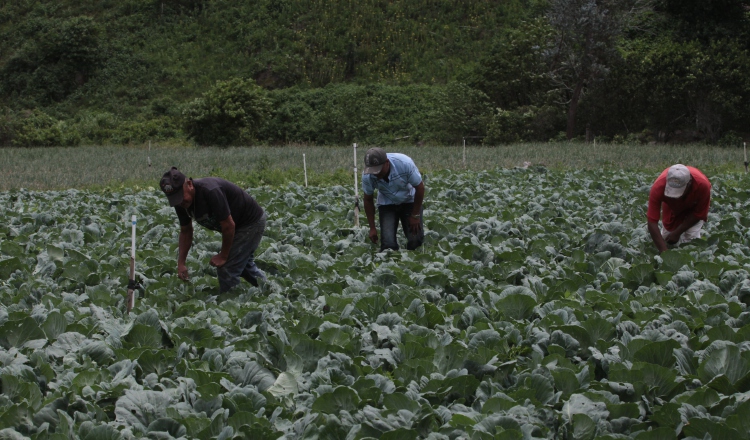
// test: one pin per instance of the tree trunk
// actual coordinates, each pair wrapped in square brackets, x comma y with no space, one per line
[573,109]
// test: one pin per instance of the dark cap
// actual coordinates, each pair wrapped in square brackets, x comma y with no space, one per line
[171,183]
[375,158]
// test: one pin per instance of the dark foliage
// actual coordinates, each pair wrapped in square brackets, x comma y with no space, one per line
[375,71]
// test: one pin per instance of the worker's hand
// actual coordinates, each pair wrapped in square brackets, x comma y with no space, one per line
[373,235]
[218,260]
[672,238]
[415,224]
[182,272]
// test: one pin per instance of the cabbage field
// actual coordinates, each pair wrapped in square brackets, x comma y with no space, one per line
[538,308]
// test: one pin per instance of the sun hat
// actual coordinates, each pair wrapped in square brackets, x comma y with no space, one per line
[171,183]
[678,177]
[375,158]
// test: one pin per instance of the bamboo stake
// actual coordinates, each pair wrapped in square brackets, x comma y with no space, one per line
[356,190]
[131,281]
[304,164]
[464,152]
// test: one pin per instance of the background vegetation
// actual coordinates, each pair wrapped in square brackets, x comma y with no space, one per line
[226,72]
[117,167]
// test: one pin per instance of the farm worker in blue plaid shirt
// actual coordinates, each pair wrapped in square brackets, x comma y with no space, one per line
[400,194]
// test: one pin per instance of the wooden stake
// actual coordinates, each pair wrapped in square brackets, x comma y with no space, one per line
[304,164]
[131,280]
[744,147]
[356,190]
[464,152]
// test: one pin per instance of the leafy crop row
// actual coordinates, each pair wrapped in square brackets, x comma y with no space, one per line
[537,308]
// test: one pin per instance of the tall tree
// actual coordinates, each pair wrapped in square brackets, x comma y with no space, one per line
[586,34]
[514,72]
[706,20]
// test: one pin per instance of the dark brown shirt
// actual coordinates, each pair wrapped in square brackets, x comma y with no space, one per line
[215,200]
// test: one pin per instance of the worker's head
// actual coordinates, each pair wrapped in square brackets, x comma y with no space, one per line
[376,162]
[171,184]
[678,181]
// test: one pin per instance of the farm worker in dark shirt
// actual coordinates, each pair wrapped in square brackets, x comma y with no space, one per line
[680,196]
[224,207]
[400,194]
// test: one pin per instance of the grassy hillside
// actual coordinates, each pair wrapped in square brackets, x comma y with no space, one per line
[332,72]
[134,56]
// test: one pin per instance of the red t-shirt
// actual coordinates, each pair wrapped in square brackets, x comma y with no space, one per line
[674,211]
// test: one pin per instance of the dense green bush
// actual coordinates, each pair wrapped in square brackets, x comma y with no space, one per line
[731,139]
[104,128]
[58,57]
[373,71]
[7,126]
[377,114]
[34,128]
[343,113]
[667,86]
[152,129]
[239,112]
[37,129]
[458,111]
[509,126]
[524,124]
[514,71]
[96,127]
[231,112]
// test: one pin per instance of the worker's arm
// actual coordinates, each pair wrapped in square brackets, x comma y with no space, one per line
[185,241]
[227,238]
[370,212]
[653,229]
[415,219]
[674,236]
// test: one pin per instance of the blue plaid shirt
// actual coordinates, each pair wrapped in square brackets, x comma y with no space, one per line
[399,186]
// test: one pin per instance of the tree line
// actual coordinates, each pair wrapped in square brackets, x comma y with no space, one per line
[226,72]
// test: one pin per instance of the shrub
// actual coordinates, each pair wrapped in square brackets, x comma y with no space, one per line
[38,129]
[7,126]
[60,58]
[731,139]
[152,129]
[95,127]
[459,111]
[343,113]
[509,126]
[523,124]
[231,112]
[377,114]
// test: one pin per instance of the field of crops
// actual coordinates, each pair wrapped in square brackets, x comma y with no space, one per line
[98,167]
[537,308]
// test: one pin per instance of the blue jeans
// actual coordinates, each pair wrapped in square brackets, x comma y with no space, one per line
[241,261]
[390,215]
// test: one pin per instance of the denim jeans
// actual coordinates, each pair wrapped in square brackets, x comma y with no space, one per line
[241,261]
[390,215]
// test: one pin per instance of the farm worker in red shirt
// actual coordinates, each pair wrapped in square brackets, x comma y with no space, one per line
[680,197]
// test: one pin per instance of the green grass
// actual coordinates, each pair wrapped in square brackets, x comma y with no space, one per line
[114,167]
